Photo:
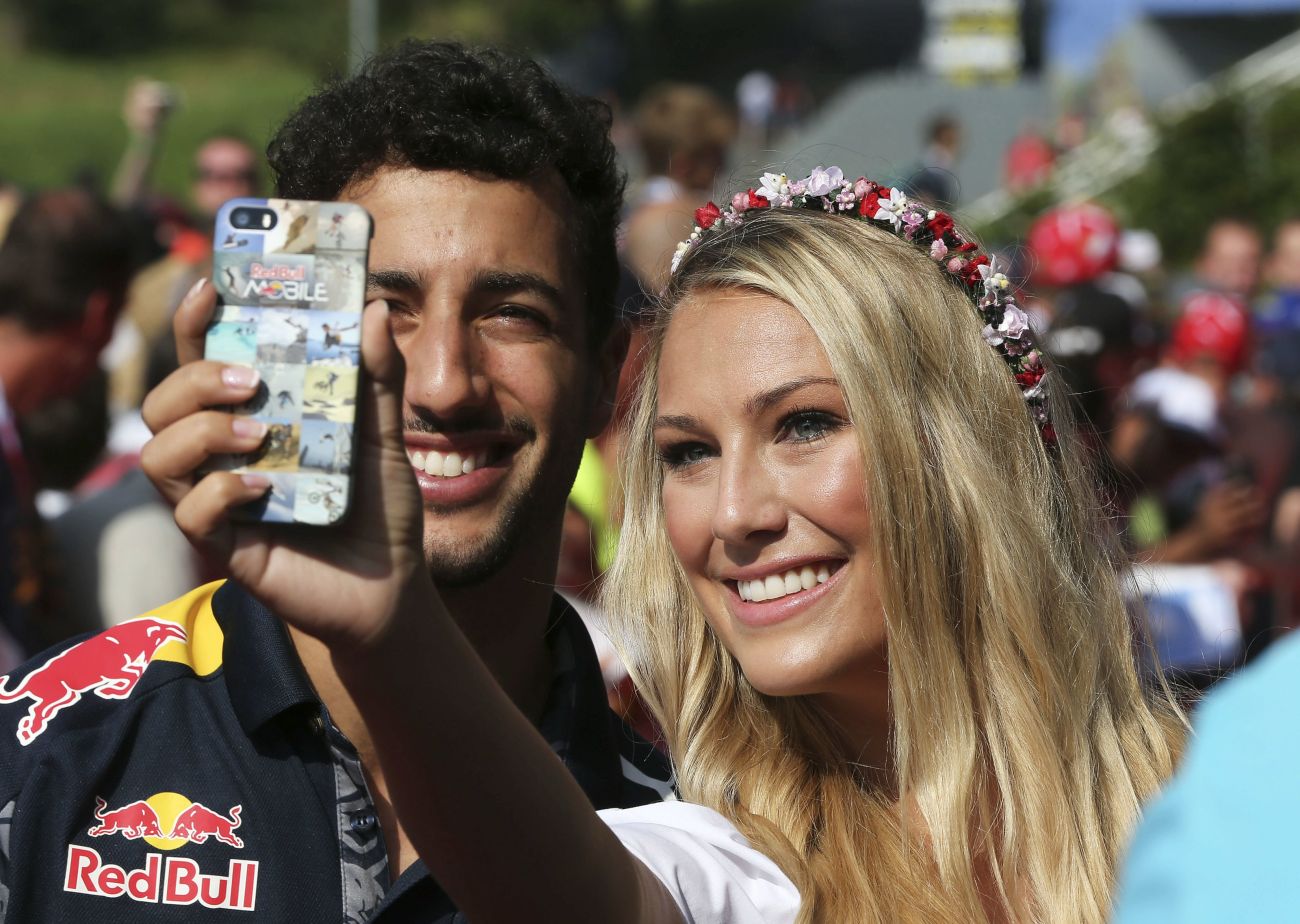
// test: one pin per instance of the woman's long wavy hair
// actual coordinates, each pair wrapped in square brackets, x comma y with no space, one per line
[1023,741]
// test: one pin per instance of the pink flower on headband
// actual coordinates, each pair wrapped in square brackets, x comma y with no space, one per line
[744,201]
[822,181]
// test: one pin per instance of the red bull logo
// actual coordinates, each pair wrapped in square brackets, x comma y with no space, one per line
[167,821]
[131,821]
[109,665]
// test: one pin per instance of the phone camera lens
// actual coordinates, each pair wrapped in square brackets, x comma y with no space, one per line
[240,218]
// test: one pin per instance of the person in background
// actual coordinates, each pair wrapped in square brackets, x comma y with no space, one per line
[756,100]
[64,269]
[225,167]
[935,178]
[115,545]
[1097,337]
[1228,264]
[1028,159]
[1277,310]
[1219,844]
[1189,504]
[686,132]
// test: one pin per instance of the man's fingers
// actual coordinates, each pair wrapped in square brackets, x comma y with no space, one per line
[190,323]
[203,515]
[196,386]
[172,457]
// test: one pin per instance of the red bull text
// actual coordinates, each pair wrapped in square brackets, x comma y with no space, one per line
[175,882]
[109,665]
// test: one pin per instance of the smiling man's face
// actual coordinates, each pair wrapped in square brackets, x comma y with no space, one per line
[488,308]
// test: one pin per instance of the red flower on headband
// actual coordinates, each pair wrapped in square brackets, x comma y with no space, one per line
[706,215]
[940,224]
[1031,376]
[754,201]
[870,204]
[970,273]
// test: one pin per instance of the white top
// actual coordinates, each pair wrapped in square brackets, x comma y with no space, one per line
[708,867]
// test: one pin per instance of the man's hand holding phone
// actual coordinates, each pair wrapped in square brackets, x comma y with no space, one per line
[341,583]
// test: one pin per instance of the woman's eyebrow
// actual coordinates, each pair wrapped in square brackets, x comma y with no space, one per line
[765,400]
[679,422]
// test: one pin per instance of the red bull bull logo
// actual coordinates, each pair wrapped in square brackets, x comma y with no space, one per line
[109,665]
[131,821]
[167,821]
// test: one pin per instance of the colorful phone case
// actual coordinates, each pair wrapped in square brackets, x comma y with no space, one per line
[290,305]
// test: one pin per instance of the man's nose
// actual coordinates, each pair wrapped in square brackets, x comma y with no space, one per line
[445,373]
[749,502]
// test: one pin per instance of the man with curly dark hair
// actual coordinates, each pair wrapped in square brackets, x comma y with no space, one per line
[220,762]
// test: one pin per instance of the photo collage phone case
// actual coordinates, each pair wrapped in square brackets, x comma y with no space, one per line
[291,296]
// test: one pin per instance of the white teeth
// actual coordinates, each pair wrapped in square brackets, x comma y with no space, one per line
[448,465]
[775,586]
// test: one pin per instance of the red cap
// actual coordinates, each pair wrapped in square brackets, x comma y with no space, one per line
[1212,325]
[1073,244]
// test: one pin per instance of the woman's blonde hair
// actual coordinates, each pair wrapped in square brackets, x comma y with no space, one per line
[1024,743]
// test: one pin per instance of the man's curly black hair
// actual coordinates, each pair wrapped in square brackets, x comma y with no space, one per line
[443,106]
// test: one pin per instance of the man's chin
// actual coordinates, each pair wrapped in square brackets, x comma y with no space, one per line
[466,558]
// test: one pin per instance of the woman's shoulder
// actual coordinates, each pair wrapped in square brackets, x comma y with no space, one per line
[710,869]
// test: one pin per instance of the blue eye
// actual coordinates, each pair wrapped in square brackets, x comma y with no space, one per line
[683,455]
[807,426]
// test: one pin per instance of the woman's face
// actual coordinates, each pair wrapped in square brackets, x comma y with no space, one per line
[764,496]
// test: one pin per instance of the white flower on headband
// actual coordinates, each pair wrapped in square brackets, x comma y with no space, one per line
[775,188]
[891,209]
[822,181]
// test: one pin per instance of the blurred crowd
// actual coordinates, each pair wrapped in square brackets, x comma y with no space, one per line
[1186,379]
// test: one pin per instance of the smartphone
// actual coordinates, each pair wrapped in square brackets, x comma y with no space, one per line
[291,283]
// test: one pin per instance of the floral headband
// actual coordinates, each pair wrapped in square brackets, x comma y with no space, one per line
[1006,326]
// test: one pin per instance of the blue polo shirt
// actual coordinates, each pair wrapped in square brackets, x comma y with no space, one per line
[1220,843]
[179,767]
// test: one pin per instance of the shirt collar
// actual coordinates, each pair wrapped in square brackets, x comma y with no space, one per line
[264,675]
[265,678]
[576,720]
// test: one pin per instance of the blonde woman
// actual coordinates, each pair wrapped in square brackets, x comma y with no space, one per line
[862,583]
